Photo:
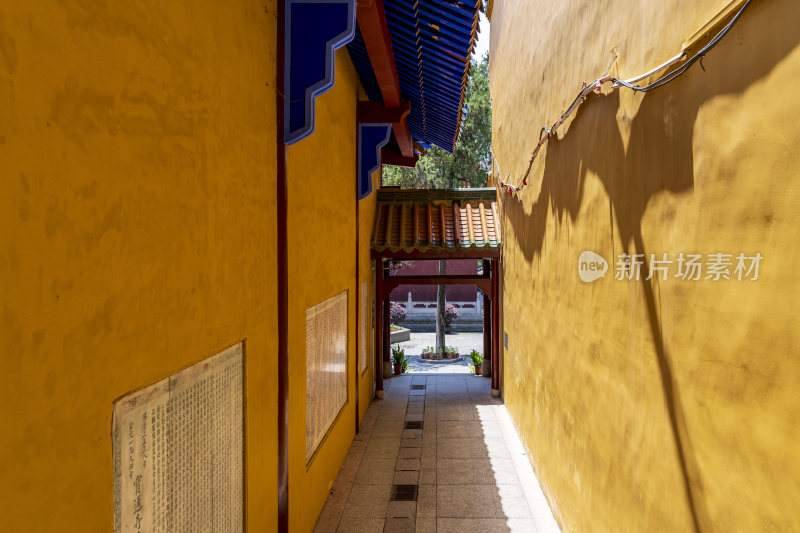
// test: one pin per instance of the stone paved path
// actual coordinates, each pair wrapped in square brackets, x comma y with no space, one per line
[466,465]
[464,342]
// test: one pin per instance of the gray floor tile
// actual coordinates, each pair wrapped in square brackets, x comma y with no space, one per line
[367,501]
[400,525]
[426,501]
[427,476]
[475,428]
[401,510]
[476,471]
[484,525]
[454,414]
[376,471]
[466,501]
[394,429]
[406,477]
[462,448]
[382,448]
[361,525]
[411,443]
[426,525]
[428,458]
[410,453]
[412,434]
[408,464]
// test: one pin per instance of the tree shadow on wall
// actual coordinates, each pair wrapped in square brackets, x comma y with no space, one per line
[658,159]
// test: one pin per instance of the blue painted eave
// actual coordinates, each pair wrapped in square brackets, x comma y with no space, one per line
[432,41]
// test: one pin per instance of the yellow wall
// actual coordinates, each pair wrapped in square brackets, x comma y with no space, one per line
[367,274]
[652,406]
[137,237]
[137,224]
[322,246]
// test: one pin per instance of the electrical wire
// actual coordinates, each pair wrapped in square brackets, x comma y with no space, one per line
[586,89]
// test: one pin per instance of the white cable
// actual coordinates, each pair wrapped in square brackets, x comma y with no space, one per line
[659,68]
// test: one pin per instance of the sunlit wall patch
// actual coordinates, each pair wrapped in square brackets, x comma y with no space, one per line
[314,30]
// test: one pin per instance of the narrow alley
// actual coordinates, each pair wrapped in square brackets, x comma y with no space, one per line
[464,470]
[284,266]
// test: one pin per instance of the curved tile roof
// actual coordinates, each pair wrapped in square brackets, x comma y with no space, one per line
[431,41]
[436,221]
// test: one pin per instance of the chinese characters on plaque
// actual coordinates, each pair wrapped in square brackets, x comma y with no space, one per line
[326,367]
[178,451]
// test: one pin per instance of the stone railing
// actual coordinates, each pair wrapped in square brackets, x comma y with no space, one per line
[421,316]
[422,310]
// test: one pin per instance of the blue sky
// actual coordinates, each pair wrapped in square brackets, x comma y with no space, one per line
[482,41]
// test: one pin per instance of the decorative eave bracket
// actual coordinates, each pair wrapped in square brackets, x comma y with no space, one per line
[371,137]
[314,30]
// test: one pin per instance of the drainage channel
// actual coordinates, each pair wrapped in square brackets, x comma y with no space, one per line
[403,500]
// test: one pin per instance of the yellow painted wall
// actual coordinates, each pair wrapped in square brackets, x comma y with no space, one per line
[661,405]
[367,267]
[322,246]
[137,224]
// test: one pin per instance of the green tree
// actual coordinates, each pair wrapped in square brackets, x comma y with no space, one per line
[470,161]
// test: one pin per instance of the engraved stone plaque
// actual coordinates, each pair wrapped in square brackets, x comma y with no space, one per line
[178,450]
[326,367]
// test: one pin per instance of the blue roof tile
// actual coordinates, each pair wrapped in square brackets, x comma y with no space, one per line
[431,41]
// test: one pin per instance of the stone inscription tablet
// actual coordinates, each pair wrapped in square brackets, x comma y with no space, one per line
[326,367]
[178,451]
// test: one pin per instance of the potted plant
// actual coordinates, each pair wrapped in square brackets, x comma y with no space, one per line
[476,359]
[451,352]
[428,353]
[399,360]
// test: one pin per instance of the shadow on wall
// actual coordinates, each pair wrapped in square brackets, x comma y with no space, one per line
[659,158]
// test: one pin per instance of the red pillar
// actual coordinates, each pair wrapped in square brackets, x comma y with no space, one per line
[487,326]
[387,313]
[379,330]
[495,272]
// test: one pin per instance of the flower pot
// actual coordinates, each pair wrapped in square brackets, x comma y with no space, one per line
[398,369]
[478,370]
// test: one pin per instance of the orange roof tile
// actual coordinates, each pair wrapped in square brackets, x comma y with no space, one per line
[436,220]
